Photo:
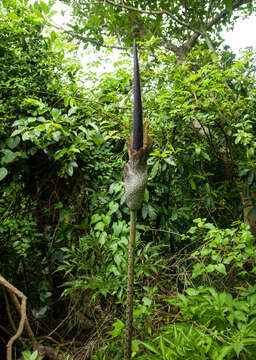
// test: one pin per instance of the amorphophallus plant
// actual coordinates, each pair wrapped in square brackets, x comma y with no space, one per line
[139,147]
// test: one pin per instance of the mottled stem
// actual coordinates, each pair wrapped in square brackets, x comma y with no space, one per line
[129,301]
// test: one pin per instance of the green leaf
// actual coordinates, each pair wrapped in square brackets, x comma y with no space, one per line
[197,150]
[95,218]
[225,351]
[239,315]
[3,173]
[103,238]
[250,153]
[70,170]
[98,139]
[113,207]
[151,212]
[12,142]
[192,292]
[135,346]
[44,7]
[154,170]
[99,226]
[18,131]
[72,111]
[162,347]
[13,16]
[238,347]
[206,156]
[150,347]
[144,211]
[249,341]
[117,259]
[71,166]
[147,301]
[146,195]
[221,268]
[118,326]
[8,157]
[198,269]
[53,37]
[59,154]
[250,178]
[210,268]
[192,184]
[56,135]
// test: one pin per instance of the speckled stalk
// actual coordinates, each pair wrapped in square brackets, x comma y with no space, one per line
[129,301]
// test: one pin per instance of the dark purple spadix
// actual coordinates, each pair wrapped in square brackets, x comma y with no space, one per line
[137,138]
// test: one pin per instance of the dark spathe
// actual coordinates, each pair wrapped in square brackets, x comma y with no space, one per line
[137,138]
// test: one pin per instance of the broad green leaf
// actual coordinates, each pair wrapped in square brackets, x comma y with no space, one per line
[192,292]
[210,268]
[56,135]
[113,207]
[239,315]
[103,238]
[98,139]
[225,351]
[44,7]
[198,269]
[13,16]
[238,347]
[70,169]
[118,326]
[3,173]
[95,218]
[12,142]
[147,301]
[8,157]
[99,226]
[151,212]
[221,268]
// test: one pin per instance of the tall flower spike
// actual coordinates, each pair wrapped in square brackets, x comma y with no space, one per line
[137,139]
[139,147]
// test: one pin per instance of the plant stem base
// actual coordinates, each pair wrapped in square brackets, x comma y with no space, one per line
[129,301]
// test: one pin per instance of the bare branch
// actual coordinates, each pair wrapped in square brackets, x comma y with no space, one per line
[15,291]
[208,42]
[27,325]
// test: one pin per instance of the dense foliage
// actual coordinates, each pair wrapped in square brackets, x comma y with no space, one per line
[64,221]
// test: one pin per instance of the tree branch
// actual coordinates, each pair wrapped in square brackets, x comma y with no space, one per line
[27,325]
[154,12]
[15,291]
[94,42]
[225,12]
[85,39]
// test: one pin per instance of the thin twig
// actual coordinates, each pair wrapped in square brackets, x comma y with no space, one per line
[158,230]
